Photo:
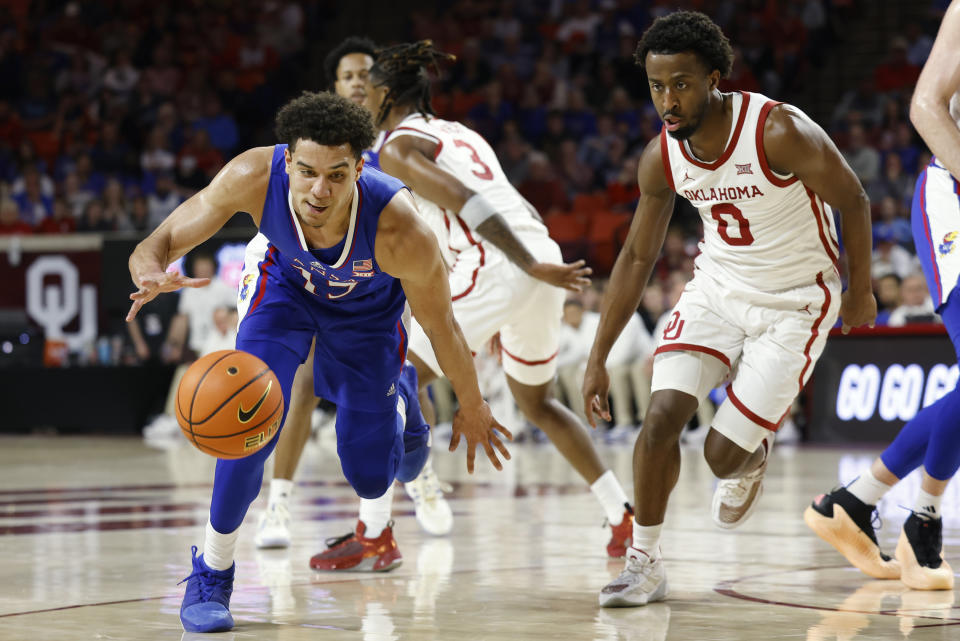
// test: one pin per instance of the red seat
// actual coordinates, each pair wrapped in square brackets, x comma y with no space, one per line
[607,230]
[589,203]
[569,229]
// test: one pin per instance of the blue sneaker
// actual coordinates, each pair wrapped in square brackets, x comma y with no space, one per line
[416,433]
[206,603]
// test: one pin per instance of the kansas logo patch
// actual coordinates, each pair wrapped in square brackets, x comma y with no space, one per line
[245,286]
[948,244]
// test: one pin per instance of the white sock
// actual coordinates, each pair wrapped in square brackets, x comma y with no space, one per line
[218,548]
[647,538]
[927,504]
[375,513]
[611,496]
[280,491]
[867,488]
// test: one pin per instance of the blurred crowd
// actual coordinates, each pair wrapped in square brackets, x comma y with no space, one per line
[111,113]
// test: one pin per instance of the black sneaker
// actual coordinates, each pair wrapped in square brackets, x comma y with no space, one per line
[846,523]
[919,552]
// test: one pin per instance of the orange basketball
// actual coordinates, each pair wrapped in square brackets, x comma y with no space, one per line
[229,404]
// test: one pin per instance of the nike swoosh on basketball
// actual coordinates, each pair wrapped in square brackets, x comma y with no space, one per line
[243,415]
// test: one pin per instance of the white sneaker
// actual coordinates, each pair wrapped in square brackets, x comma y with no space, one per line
[642,581]
[433,512]
[735,499]
[273,528]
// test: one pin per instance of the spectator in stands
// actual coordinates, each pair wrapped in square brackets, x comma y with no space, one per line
[137,218]
[61,222]
[75,196]
[571,355]
[162,77]
[892,222]
[198,161]
[157,156]
[577,176]
[163,200]
[896,73]
[915,306]
[471,71]
[220,126]
[889,257]
[892,182]
[34,205]
[919,44]
[541,187]
[194,322]
[489,116]
[114,202]
[862,99]
[121,77]
[862,158]
[887,291]
[652,305]
[10,221]
[622,189]
[112,155]
[93,218]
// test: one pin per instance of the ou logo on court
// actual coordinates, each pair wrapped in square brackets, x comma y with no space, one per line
[55,305]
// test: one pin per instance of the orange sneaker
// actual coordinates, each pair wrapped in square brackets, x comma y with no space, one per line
[622,535]
[356,553]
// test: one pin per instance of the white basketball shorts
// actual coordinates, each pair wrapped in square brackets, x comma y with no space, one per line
[767,343]
[490,295]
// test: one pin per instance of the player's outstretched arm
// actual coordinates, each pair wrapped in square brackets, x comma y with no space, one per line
[938,83]
[240,186]
[630,275]
[410,159]
[794,144]
[407,250]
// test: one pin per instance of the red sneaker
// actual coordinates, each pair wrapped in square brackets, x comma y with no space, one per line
[622,535]
[355,553]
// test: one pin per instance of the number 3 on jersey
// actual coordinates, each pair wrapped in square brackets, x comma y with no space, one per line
[743,237]
[486,174]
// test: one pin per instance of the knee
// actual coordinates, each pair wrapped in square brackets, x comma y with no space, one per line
[661,427]
[724,457]
[369,484]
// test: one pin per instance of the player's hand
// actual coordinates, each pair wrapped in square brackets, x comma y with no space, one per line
[571,276]
[153,284]
[479,427]
[857,309]
[494,348]
[596,388]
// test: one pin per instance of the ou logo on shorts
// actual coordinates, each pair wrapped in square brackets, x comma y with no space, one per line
[672,331]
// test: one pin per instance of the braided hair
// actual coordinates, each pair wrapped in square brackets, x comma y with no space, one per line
[403,70]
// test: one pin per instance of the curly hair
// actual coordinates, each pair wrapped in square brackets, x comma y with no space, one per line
[403,70]
[353,44]
[687,31]
[327,119]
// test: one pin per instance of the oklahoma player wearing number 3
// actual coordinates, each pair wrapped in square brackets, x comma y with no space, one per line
[766,288]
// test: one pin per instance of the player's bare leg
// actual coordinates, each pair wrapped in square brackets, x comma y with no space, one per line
[273,528]
[570,437]
[656,469]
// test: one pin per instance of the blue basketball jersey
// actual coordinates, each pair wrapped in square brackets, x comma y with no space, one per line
[339,294]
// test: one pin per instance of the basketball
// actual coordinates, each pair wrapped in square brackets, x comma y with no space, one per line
[229,404]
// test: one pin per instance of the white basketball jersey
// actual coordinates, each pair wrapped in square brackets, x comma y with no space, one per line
[761,229]
[465,154]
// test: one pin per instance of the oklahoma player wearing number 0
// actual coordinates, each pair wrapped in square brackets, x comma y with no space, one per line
[766,288]
[343,249]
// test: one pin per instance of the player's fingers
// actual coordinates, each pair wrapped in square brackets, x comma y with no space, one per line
[845,328]
[492,455]
[193,282]
[454,441]
[504,431]
[500,446]
[471,454]
[591,405]
[137,304]
[577,264]
[586,271]
[604,405]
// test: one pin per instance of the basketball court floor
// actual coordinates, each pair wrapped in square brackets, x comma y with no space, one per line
[95,535]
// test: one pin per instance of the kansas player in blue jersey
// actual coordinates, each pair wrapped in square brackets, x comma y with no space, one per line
[344,249]
[348,70]
[932,438]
